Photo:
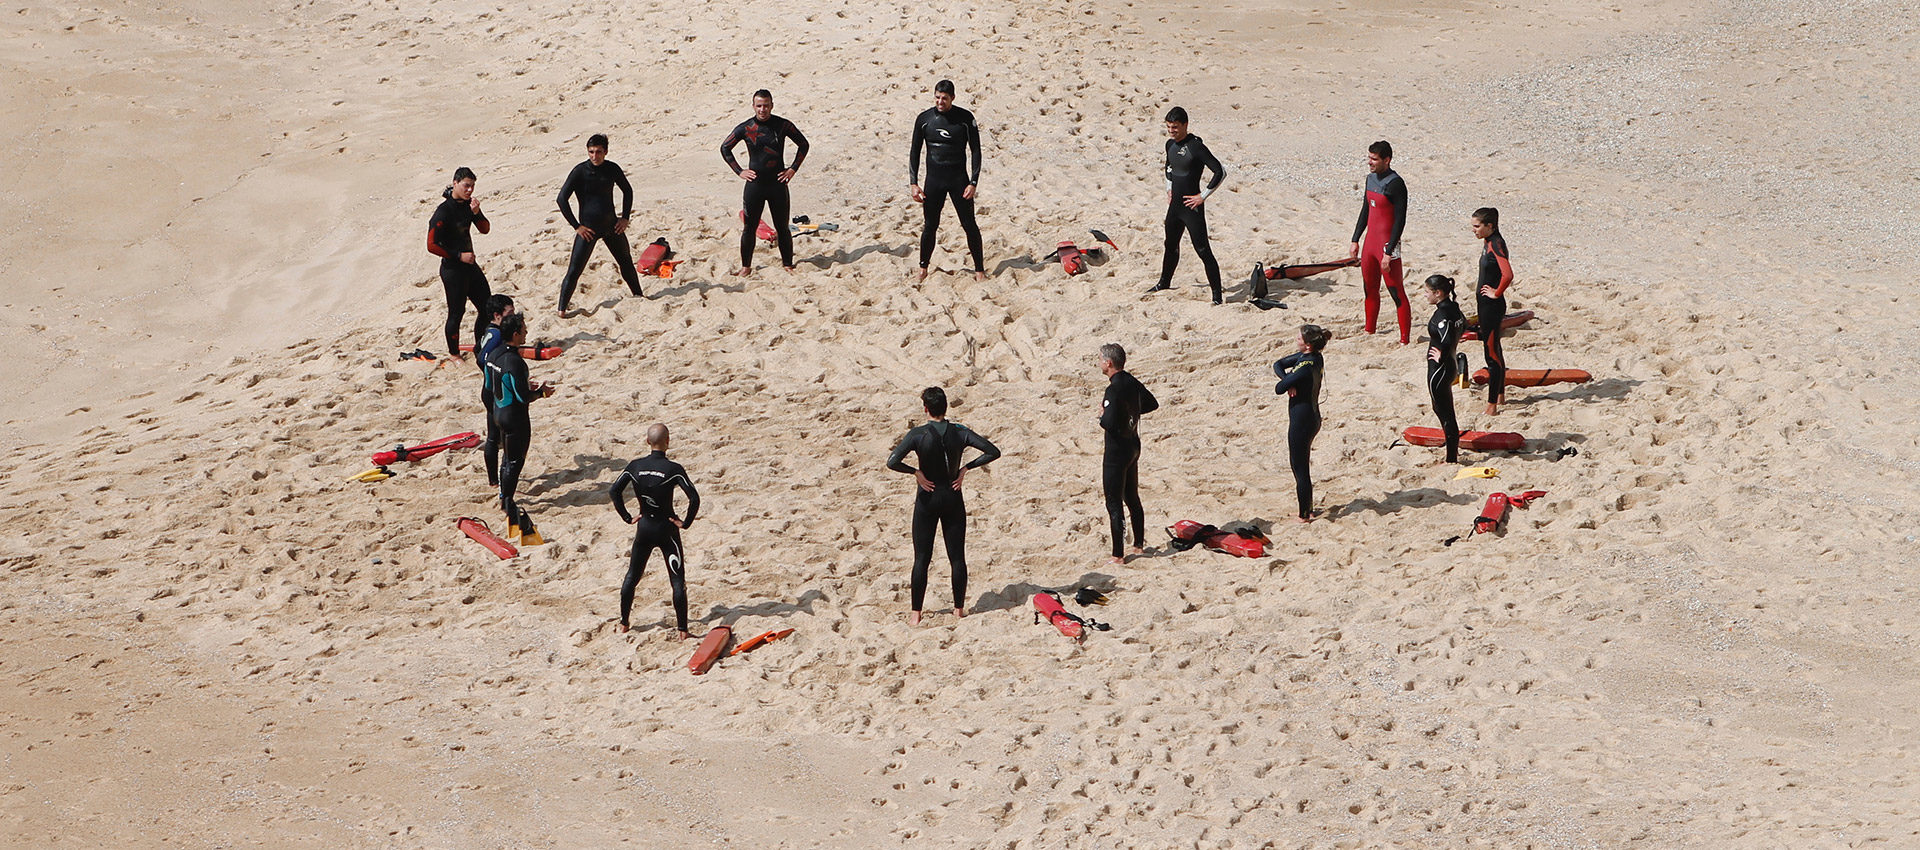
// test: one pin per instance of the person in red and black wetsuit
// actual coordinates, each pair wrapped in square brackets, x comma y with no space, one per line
[767,175]
[1383,216]
[593,183]
[449,237]
[1496,274]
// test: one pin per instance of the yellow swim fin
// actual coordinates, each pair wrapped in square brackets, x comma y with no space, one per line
[378,473]
[1476,472]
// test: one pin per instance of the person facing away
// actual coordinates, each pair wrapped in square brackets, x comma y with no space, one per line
[937,501]
[653,479]
[1125,401]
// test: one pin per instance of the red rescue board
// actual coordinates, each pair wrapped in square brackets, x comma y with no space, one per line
[530,352]
[759,640]
[1498,505]
[1050,608]
[480,532]
[1538,377]
[1306,270]
[711,648]
[1480,441]
[1513,320]
[463,440]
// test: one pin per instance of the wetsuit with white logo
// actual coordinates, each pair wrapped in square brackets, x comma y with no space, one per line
[1186,160]
[948,137]
[653,479]
[1443,336]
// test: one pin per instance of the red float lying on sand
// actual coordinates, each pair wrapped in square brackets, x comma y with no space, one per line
[465,440]
[1219,540]
[764,230]
[1513,320]
[1072,260]
[530,352]
[711,648]
[1479,441]
[480,532]
[650,259]
[1538,377]
[1048,606]
[1496,510]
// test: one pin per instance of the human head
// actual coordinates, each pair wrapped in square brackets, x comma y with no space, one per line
[763,104]
[1176,123]
[1439,288]
[1379,157]
[463,180]
[1486,222]
[935,401]
[1315,336]
[943,95]
[597,148]
[657,436]
[513,329]
[499,306]
[1113,358]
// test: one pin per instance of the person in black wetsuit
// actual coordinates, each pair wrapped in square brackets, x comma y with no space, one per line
[499,306]
[450,237]
[653,479]
[1490,297]
[512,394]
[1443,336]
[948,132]
[593,183]
[1303,375]
[1125,402]
[767,175]
[1187,157]
[937,501]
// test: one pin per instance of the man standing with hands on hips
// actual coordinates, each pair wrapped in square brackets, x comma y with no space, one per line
[767,175]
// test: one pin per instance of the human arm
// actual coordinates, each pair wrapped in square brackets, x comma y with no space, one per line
[913,153]
[1113,418]
[693,497]
[567,191]
[1396,195]
[1148,403]
[726,151]
[1301,369]
[436,234]
[1281,366]
[898,460]
[799,148]
[480,221]
[973,145]
[1498,248]
[618,495]
[988,452]
[1211,163]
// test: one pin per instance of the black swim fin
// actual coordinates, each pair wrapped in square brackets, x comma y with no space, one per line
[1268,304]
[1257,286]
[1089,596]
[1102,237]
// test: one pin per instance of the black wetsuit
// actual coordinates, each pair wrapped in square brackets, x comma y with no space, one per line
[1495,271]
[766,158]
[1186,159]
[1443,333]
[653,478]
[507,372]
[948,137]
[1302,377]
[490,341]
[939,445]
[1120,411]
[594,185]
[449,234]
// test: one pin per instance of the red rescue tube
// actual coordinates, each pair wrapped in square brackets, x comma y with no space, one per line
[1538,377]
[1218,539]
[711,648]
[650,259]
[1479,441]
[464,440]
[765,231]
[1072,259]
[1050,608]
[1493,514]
[484,536]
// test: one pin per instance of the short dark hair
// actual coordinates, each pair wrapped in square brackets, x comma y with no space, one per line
[512,325]
[944,87]
[1384,149]
[1177,115]
[597,140]
[1315,336]
[463,173]
[935,400]
[1113,353]
[1441,283]
[497,302]
[1488,216]
[763,93]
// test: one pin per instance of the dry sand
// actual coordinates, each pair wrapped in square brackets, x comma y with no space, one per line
[1701,637]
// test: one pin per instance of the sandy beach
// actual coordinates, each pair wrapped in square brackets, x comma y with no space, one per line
[1702,636]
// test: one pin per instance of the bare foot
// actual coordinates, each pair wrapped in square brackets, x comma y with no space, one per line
[564,314]
[923,274]
[623,628]
[791,269]
[913,618]
[1136,552]
[1118,562]
[744,271]
[1303,520]
[1493,408]
[979,275]
[959,612]
[686,635]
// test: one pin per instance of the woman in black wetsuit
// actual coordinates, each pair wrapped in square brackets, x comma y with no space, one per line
[1496,274]
[1443,336]
[449,237]
[513,392]
[1302,377]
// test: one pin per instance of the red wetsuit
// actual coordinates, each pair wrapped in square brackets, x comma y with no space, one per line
[1383,215]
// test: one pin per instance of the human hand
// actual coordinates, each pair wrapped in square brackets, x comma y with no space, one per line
[584,232]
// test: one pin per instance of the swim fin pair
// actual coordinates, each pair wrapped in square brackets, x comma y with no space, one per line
[417,354]
[1089,596]
[378,473]
[524,531]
